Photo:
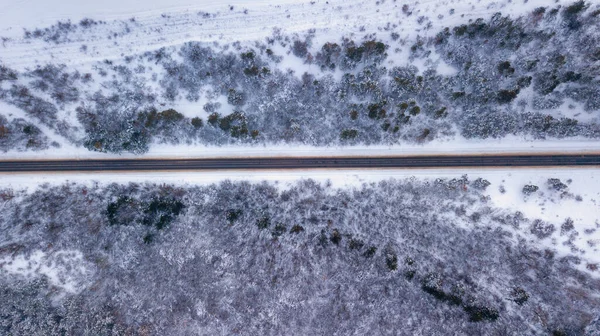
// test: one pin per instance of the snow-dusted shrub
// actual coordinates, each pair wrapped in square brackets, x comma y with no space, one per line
[530,189]
[541,229]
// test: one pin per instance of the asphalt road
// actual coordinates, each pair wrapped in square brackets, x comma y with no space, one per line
[301,163]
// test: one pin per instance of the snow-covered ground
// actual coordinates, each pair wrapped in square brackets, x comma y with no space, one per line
[62,268]
[436,147]
[133,26]
[582,204]
[161,23]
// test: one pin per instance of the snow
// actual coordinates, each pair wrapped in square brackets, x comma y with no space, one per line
[247,21]
[457,146]
[253,21]
[161,23]
[63,269]
[546,204]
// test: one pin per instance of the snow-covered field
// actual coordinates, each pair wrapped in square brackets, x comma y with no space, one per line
[132,27]
[230,21]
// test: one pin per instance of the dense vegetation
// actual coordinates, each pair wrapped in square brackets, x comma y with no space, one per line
[535,76]
[407,257]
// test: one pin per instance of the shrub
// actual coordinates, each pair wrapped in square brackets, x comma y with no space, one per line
[236,98]
[348,134]
[391,260]
[415,110]
[530,189]
[263,222]
[247,56]
[124,211]
[233,215]
[481,184]
[197,122]
[505,69]
[296,229]
[481,313]
[335,237]
[7,74]
[370,252]
[213,118]
[300,48]
[458,94]
[355,244]
[556,184]
[544,82]
[567,226]
[376,110]
[542,229]
[519,296]
[158,120]
[161,211]
[278,230]
[251,71]
[506,96]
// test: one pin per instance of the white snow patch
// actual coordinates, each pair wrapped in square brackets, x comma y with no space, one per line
[64,269]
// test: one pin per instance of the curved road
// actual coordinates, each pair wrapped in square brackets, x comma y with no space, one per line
[302,163]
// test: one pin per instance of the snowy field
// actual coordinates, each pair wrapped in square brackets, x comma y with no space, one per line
[230,21]
[151,25]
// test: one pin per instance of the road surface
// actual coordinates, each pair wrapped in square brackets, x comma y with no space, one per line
[301,163]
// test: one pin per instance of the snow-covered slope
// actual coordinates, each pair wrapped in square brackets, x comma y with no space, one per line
[110,31]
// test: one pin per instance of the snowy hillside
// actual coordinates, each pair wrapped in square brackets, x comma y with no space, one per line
[425,76]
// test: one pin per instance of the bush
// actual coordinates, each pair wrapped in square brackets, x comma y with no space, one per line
[161,120]
[213,118]
[481,313]
[542,229]
[160,212]
[556,184]
[355,244]
[124,211]
[376,110]
[233,215]
[370,252]
[263,222]
[481,184]
[300,48]
[348,134]
[505,69]
[236,98]
[197,122]
[530,189]
[335,237]
[567,226]
[506,96]
[519,296]
[296,229]
[391,260]
[278,230]
[7,74]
